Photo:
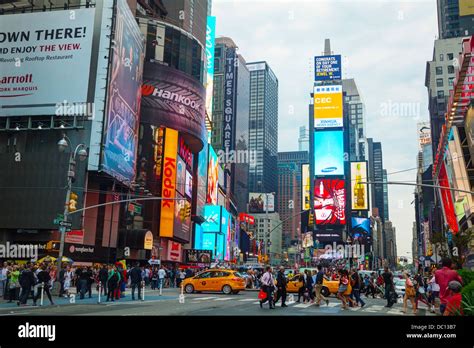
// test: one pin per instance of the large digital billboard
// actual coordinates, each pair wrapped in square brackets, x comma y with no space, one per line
[226,231]
[328,153]
[180,175]
[45,61]
[359,191]
[212,218]
[360,227]
[202,179]
[327,104]
[306,187]
[466,8]
[124,97]
[182,220]
[174,99]
[327,68]
[447,199]
[210,46]
[258,202]
[212,177]
[330,201]
[168,183]
[230,90]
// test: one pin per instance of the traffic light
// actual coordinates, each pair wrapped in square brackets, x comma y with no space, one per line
[72,202]
[310,219]
[53,245]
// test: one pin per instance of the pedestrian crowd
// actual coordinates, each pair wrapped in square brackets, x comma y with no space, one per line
[20,282]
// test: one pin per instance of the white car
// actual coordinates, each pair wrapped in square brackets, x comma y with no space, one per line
[399,286]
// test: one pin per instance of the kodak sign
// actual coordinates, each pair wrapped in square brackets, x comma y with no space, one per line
[168,183]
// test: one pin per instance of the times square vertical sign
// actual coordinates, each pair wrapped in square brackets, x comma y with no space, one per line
[229,100]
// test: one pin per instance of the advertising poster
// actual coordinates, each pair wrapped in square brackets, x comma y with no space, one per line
[197,256]
[37,51]
[327,68]
[174,251]
[306,187]
[330,201]
[327,104]
[359,191]
[188,190]
[210,46]
[212,177]
[328,153]
[202,180]
[124,97]
[258,202]
[447,199]
[182,221]
[168,184]
[180,175]
[172,97]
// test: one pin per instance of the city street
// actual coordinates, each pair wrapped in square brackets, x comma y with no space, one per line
[244,303]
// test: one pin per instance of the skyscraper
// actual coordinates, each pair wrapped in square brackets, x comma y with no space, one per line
[303,140]
[455,18]
[289,192]
[385,195]
[263,127]
[354,110]
[376,175]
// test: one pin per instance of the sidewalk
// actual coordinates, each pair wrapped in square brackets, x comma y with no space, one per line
[167,294]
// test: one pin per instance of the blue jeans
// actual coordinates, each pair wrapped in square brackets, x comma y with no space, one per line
[161,283]
[356,293]
[388,290]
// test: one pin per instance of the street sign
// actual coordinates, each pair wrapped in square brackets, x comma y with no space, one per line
[65,224]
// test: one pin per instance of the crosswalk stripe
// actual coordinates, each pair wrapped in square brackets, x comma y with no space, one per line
[395,312]
[223,299]
[247,300]
[303,305]
[204,298]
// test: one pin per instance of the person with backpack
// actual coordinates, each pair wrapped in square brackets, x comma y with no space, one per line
[387,276]
[318,286]
[136,280]
[154,279]
[102,277]
[172,275]
[43,285]
[27,280]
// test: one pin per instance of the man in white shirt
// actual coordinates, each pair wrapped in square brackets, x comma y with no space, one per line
[268,285]
[161,277]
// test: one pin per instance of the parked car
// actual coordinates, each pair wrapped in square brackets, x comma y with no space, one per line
[399,286]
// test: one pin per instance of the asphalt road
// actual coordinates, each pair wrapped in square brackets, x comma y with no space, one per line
[244,303]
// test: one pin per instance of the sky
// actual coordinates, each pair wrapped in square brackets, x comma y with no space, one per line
[385,46]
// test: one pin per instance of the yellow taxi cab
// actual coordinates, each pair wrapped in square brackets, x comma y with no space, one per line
[329,286]
[220,280]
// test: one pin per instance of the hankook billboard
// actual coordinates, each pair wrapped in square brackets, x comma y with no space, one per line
[174,99]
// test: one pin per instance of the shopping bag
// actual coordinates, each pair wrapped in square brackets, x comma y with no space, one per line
[262,295]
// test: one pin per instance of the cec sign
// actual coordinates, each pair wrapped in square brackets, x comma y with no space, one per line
[37,53]
[328,106]
[327,68]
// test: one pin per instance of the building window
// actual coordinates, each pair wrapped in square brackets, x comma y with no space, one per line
[439,82]
[441,57]
[451,81]
[439,70]
[450,56]
[440,94]
[450,69]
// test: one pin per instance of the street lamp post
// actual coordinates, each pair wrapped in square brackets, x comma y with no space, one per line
[80,152]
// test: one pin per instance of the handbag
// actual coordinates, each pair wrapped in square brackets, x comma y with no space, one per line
[262,295]
[410,291]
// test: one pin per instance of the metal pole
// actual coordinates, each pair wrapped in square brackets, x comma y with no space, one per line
[62,229]
[111,223]
[266,228]
[42,294]
[100,291]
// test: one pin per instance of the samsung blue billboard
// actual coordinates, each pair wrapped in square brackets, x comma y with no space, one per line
[360,227]
[328,153]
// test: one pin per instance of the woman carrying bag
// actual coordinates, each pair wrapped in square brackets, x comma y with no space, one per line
[410,293]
